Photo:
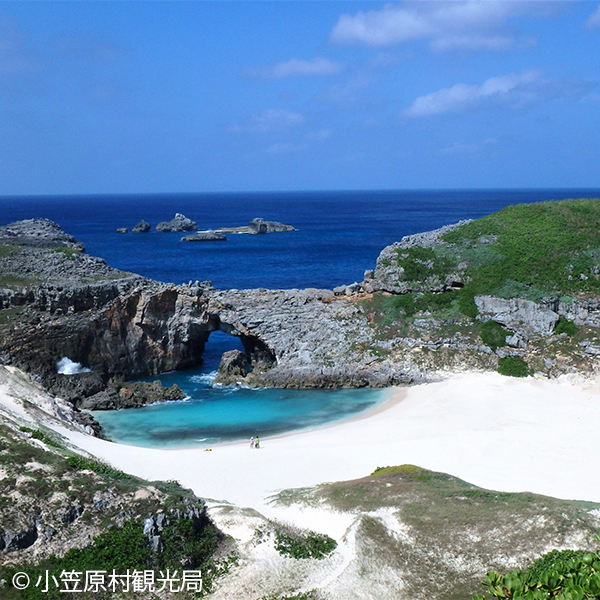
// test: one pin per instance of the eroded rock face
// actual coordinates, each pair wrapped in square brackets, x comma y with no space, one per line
[388,275]
[40,233]
[521,316]
[232,368]
[178,223]
[259,225]
[141,227]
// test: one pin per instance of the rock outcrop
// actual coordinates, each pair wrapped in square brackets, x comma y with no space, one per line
[122,230]
[390,277]
[232,368]
[178,223]
[39,233]
[204,236]
[524,317]
[258,226]
[141,227]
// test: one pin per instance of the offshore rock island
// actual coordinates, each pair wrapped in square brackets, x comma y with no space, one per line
[469,296]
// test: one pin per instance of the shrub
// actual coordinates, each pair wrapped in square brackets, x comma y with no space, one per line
[189,543]
[299,545]
[513,366]
[493,335]
[80,463]
[466,303]
[565,326]
[566,574]
[403,302]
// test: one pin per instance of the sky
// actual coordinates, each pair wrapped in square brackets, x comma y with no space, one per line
[155,97]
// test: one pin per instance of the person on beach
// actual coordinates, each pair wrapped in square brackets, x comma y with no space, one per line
[252,442]
[256,443]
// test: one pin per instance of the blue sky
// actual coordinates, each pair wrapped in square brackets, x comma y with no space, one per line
[110,97]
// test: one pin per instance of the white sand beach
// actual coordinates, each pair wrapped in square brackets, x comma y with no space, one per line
[496,432]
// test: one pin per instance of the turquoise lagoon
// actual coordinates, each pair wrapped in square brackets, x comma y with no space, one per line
[212,415]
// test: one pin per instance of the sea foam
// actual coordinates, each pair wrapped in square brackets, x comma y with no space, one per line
[65,366]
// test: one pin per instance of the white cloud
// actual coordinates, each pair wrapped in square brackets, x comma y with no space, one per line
[272,119]
[296,68]
[514,91]
[594,21]
[466,24]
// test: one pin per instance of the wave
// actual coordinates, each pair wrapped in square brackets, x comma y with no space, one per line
[206,378]
[65,366]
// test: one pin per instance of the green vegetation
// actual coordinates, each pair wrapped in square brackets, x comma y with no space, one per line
[188,544]
[80,463]
[458,521]
[513,366]
[565,326]
[547,248]
[420,263]
[298,544]
[398,470]
[36,434]
[70,253]
[493,335]
[82,482]
[565,575]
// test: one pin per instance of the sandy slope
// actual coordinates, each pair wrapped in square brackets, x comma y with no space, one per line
[496,432]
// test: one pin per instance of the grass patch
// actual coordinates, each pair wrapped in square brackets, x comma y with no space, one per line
[69,253]
[397,470]
[544,248]
[81,463]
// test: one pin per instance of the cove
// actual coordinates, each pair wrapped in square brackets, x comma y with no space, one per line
[211,415]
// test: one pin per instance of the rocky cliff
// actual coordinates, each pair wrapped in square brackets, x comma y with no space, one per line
[416,315]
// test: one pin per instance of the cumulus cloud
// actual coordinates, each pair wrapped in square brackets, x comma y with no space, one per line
[594,21]
[466,24]
[272,119]
[295,68]
[514,91]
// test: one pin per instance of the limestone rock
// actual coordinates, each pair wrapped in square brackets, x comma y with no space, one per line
[259,225]
[524,317]
[141,227]
[122,230]
[232,368]
[178,223]
[204,236]
[388,276]
[40,233]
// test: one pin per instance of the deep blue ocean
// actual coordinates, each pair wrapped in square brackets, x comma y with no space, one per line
[340,234]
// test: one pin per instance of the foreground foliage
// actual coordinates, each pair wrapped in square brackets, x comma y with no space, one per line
[564,575]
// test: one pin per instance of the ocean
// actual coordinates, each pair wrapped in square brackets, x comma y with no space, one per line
[340,235]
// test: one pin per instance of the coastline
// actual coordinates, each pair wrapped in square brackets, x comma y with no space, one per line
[489,430]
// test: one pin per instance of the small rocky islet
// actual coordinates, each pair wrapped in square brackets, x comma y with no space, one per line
[180,223]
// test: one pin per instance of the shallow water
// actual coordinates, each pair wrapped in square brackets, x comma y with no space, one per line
[212,415]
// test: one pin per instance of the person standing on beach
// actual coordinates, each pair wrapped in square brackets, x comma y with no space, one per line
[251,442]
[256,443]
